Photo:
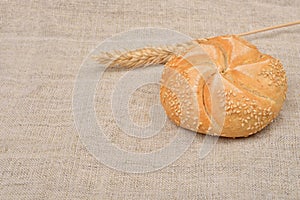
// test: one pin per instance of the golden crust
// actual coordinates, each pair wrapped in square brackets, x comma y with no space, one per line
[227,84]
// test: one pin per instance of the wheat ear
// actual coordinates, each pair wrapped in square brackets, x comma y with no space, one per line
[142,57]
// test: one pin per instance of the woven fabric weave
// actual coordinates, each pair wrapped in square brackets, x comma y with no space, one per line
[43,44]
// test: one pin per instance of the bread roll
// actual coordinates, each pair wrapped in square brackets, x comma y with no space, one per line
[223,86]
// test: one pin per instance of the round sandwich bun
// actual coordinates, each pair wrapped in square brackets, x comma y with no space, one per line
[223,86]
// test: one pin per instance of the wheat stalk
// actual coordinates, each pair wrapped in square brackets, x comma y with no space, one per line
[159,55]
[269,28]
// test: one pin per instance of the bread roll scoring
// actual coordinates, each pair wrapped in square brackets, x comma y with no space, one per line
[223,86]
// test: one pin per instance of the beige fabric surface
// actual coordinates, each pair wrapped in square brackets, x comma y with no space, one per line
[42,45]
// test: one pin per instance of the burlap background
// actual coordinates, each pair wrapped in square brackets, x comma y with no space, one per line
[42,46]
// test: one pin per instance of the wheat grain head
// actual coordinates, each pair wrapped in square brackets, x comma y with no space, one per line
[144,56]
